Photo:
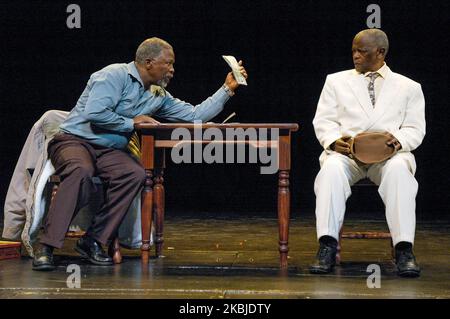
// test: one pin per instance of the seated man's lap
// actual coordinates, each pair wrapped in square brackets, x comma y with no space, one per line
[336,163]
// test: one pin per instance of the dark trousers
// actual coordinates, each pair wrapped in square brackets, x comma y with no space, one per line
[76,161]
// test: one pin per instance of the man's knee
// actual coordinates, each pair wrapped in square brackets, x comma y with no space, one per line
[397,167]
[82,171]
[397,174]
[136,173]
[332,167]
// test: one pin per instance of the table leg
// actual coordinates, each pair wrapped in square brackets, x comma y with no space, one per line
[283,215]
[158,207]
[146,214]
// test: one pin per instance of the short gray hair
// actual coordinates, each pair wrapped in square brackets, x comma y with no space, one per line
[379,38]
[150,49]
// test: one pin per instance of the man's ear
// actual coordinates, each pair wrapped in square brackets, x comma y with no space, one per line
[148,63]
[382,51]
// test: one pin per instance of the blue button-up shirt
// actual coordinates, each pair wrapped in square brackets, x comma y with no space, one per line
[115,95]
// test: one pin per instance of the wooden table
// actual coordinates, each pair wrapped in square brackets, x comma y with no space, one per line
[156,138]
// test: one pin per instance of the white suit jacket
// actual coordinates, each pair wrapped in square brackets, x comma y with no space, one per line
[344,108]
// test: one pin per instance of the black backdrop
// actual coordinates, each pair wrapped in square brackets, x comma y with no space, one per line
[288,48]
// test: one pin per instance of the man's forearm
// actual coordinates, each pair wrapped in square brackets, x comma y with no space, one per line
[212,106]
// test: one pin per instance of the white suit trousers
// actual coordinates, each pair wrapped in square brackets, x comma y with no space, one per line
[397,188]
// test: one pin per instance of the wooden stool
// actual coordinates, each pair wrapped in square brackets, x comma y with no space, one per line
[364,234]
[114,247]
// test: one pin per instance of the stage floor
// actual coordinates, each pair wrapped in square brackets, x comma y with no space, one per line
[236,257]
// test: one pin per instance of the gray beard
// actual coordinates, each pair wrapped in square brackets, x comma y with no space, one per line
[163,82]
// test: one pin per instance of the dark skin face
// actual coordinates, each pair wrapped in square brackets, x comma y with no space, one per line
[158,71]
[367,56]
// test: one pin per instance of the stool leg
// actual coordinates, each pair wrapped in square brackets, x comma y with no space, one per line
[339,247]
[392,250]
[114,251]
[54,191]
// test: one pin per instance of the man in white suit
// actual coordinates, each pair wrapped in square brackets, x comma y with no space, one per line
[369,98]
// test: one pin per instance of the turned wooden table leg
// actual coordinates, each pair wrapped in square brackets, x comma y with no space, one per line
[146,214]
[158,190]
[283,215]
[147,160]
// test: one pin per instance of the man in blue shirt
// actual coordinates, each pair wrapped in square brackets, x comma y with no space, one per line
[93,140]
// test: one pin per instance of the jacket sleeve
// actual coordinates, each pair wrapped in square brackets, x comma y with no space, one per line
[412,129]
[325,122]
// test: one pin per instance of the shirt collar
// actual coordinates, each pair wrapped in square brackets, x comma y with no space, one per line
[381,71]
[132,70]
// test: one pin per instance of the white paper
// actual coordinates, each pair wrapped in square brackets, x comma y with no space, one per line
[229,117]
[234,65]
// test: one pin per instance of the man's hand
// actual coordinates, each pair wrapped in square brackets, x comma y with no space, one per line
[144,119]
[393,142]
[231,82]
[341,145]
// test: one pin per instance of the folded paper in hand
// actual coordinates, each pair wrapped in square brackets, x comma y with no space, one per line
[231,60]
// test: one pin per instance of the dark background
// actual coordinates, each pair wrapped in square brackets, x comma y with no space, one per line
[288,47]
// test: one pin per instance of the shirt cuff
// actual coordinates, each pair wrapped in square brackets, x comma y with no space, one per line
[128,125]
[227,90]
[329,140]
[402,140]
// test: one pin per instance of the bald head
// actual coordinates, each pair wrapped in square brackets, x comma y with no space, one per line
[376,37]
[151,49]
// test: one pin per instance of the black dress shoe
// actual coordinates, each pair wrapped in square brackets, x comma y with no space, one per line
[90,249]
[406,262]
[326,257]
[43,258]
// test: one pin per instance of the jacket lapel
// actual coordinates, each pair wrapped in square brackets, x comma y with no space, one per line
[384,101]
[359,88]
